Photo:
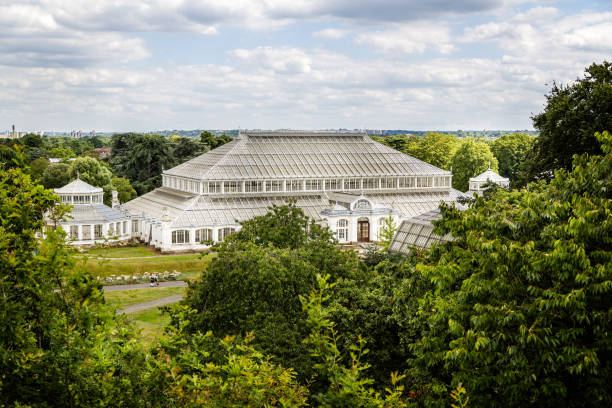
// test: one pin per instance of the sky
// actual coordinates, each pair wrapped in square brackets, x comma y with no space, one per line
[135,65]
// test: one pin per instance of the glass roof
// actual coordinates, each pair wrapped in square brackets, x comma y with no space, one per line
[417,232]
[265,155]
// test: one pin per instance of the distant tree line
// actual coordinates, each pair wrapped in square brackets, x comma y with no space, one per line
[572,115]
[133,167]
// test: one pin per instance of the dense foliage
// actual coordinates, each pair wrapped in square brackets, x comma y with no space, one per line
[571,116]
[255,282]
[510,151]
[521,309]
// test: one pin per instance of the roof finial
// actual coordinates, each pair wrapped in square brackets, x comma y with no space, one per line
[489,165]
[78,175]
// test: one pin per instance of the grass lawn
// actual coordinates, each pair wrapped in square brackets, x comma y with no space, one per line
[121,252]
[151,322]
[129,266]
[122,298]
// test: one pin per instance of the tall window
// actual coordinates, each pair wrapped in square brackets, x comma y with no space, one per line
[224,232]
[74,232]
[389,183]
[253,186]
[406,182]
[232,187]
[111,229]
[180,237]
[381,224]
[313,185]
[342,230]
[125,227]
[370,183]
[333,184]
[204,235]
[214,187]
[294,185]
[98,231]
[135,225]
[423,182]
[352,184]
[274,185]
[118,228]
[86,229]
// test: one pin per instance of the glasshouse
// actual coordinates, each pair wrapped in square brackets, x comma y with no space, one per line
[90,221]
[344,180]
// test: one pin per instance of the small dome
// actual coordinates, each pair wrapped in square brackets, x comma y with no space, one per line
[489,175]
[78,186]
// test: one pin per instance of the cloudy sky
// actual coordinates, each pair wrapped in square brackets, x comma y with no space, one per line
[391,64]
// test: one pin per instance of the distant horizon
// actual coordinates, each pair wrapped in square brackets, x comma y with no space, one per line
[153,131]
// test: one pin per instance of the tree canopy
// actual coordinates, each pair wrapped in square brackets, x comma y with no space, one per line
[520,313]
[471,158]
[435,148]
[140,158]
[510,151]
[571,116]
[56,175]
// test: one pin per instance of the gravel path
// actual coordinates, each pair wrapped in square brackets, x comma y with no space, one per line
[168,284]
[148,305]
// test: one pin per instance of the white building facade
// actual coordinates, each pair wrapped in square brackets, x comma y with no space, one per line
[480,183]
[90,221]
[343,180]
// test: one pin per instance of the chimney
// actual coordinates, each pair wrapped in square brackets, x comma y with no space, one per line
[115,201]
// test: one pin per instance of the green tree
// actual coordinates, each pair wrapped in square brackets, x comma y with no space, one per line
[572,114]
[400,143]
[472,158]
[387,232]
[510,151]
[140,158]
[125,191]
[520,314]
[56,175]
[91,171]
[61,152]
[254,283]
[186,148]
[435,148]
[208,139]
[11,157]
[38,167]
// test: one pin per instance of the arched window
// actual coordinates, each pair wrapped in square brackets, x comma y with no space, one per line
[204,235]
[363,205]
[342,230]
[180,237]
[224,232]
[381,225]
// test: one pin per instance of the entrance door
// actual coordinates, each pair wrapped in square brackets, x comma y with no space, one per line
[363,231]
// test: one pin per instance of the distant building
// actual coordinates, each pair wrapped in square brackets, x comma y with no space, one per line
[90,221]
[103,152]
[344,180]
[479,183]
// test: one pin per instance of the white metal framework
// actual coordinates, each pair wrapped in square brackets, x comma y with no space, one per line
[331,176]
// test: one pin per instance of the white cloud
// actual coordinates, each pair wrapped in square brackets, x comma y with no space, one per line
[33,37]
[283,60]
[409,38]
[332,33]
[275,87]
